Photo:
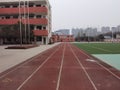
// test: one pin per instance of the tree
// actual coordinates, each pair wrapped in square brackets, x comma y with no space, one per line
[78,36]
[101,37]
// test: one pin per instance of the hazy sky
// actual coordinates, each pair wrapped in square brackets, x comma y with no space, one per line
[84,13]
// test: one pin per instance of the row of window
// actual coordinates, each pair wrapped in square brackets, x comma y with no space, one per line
[13,6]
[26,16]
[40,28]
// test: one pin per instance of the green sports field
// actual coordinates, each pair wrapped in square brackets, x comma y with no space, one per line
[100,48]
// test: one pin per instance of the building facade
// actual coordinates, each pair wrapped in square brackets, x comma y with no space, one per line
[63,38]
[63,32]
[105,29]
[35,15]
[77,32]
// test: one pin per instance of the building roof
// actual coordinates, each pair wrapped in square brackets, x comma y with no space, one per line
[8,1]
[18,0]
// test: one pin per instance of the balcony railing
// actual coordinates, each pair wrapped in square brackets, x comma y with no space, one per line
[42,21]
[33,21]
[8,21]
[41,10]
[40,32]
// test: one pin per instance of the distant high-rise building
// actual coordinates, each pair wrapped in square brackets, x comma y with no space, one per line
[63,32]
[114,29]
[77,31]
[105,29]
[118,28]
[91,31]
[84,32]
[94,32]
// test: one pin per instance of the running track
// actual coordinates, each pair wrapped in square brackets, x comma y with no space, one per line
[64,67]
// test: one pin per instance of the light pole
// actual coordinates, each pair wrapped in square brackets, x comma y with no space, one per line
[25,20]
[20,23]
[112,35]
[28,22]
[88,31]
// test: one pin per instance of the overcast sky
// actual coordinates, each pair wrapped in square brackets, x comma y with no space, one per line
[83,13]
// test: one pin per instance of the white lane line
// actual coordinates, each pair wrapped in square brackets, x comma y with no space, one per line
[101,65]
[91,60]
[95,88]
[36,70]
[108,70]
[59,76]
[23,64]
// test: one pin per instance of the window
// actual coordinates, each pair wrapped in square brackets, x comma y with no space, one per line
[43,5]
[7,6]
[39,16]
[39,5]
[15,16]
[7,17]
[30,5]
[2,17]
[31,16]
[39,27]
[39,38]
[44,28]
[15,6]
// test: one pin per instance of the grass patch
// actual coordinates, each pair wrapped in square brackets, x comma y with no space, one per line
[100,48]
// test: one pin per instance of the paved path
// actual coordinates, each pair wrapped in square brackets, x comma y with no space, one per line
[64,67]
[12,57]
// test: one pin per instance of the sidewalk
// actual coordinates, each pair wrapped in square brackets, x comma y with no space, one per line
[12,57]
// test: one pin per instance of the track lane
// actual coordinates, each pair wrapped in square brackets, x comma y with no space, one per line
[86,73]
[60,71]
[46,77]
[73,76]
[12,80]
[102,78]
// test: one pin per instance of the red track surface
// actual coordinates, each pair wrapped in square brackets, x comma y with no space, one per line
[64,67]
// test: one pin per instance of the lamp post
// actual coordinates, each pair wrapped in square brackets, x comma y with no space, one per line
[25,21]
[112,35]
[20,23]
[28,22]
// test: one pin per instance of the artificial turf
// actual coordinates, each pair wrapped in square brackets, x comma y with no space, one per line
[100,48]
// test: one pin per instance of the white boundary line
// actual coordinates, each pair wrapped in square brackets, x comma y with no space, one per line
[23,63]
[95,88]
[101,65]
[60,72]
[36,70]
[108,70]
